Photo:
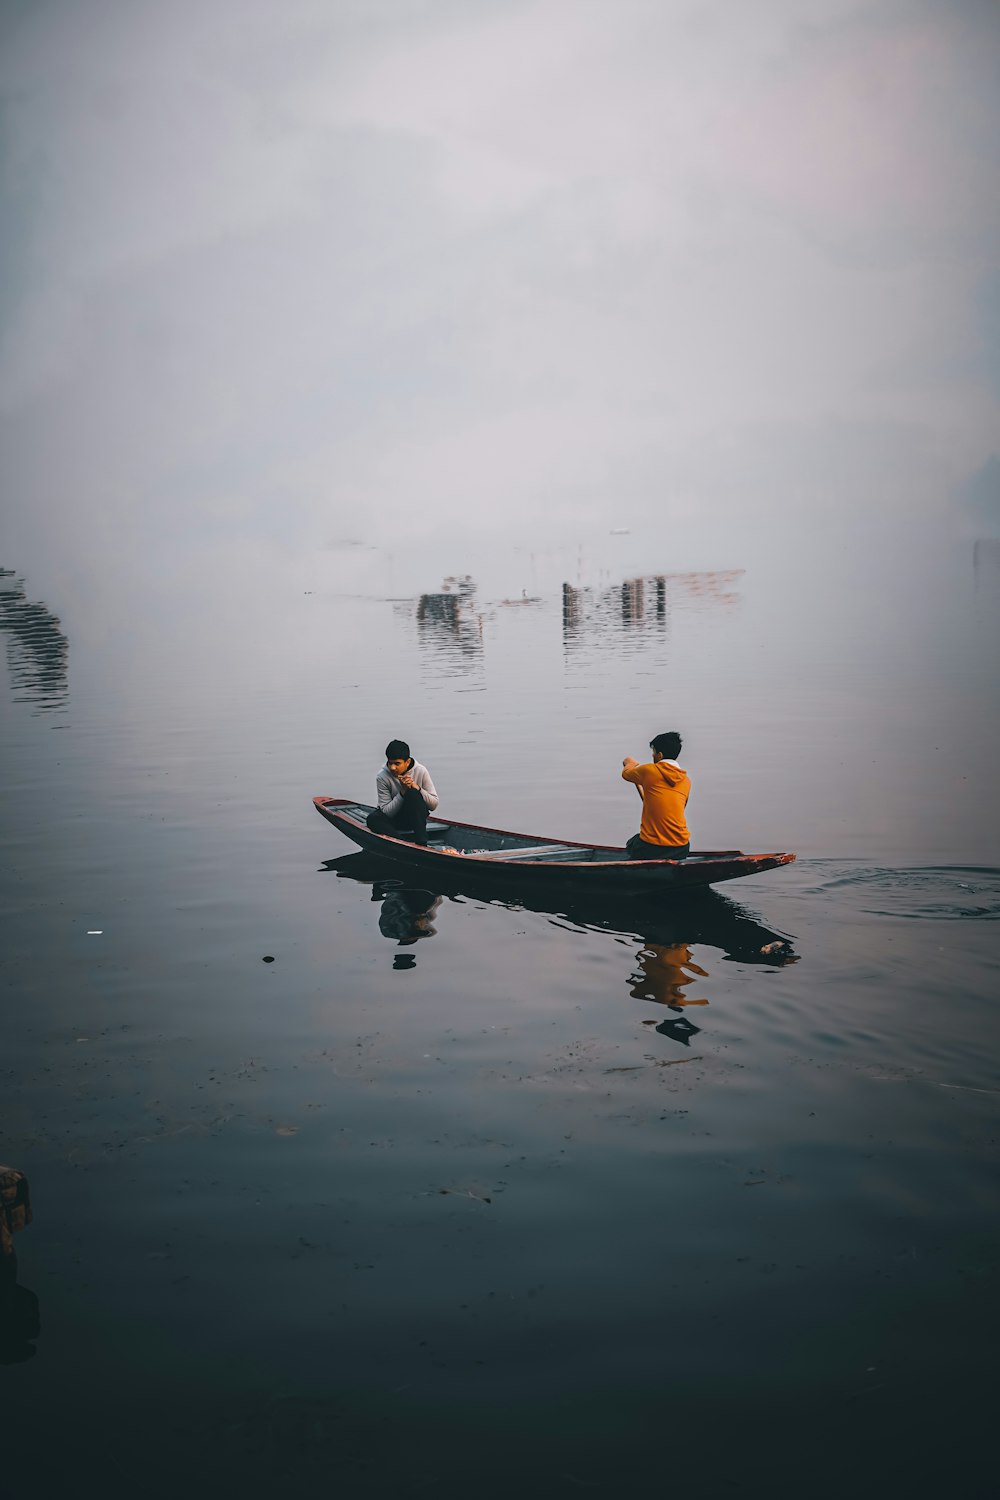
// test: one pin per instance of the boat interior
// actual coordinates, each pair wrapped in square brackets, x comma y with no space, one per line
[484,843]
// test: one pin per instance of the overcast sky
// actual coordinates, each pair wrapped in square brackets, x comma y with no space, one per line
[320,270]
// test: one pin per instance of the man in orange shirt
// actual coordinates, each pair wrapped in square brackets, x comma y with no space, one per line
[664,788]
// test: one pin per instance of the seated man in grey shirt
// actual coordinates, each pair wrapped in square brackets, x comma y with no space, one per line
[405,796]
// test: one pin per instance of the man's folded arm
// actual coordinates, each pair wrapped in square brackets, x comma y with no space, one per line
[388,803]
[428,792]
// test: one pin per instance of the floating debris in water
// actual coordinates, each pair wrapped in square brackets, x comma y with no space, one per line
[268,958]
[465,1193]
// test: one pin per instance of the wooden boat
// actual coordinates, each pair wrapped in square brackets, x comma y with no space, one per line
[532,859]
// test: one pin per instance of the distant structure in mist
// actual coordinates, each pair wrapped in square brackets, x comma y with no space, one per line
[37,649]
[644,603]
[449,623]
[450,620]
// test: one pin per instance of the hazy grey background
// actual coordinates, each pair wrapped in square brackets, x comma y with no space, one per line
[283,275]
[312,304]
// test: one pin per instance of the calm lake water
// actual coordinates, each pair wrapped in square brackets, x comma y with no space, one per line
[460,1194]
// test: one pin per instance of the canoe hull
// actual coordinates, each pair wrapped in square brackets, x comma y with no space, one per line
[590,873]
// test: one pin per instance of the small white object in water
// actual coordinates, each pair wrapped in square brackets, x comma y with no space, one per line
[95,931]
[620,531]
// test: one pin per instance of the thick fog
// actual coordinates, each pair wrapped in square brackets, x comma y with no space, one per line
[312,272]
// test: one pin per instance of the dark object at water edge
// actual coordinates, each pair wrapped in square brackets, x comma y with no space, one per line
[15,1206]
[19,1324]
[498,854]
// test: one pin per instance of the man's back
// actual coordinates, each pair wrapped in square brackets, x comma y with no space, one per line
[666,787]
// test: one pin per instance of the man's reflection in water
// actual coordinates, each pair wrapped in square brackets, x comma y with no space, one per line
[406,916]
[665,971]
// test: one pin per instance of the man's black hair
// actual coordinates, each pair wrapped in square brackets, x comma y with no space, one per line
[397,750]
[669,745]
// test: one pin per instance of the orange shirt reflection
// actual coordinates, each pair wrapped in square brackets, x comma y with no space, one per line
[665,973]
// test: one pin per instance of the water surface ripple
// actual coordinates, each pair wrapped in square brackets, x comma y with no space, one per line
[943,893]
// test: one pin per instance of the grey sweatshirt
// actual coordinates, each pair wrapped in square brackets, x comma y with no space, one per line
[390,793]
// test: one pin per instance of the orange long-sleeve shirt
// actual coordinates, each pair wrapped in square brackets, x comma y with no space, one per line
[665,790]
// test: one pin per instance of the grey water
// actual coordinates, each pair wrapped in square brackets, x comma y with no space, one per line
[469,1190]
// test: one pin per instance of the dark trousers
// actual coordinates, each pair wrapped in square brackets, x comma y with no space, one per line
[409,823]
[638,849]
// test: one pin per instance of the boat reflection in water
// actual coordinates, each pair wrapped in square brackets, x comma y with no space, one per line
[664,967]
